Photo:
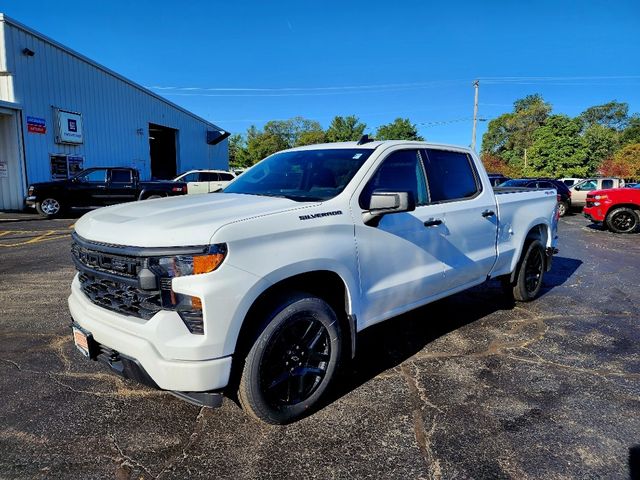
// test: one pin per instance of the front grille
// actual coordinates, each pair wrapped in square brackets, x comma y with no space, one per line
[119,297]
[121,265]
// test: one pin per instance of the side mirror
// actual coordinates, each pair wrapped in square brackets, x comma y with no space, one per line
[577,188]
[382,203]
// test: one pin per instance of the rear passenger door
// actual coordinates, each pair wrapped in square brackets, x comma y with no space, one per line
[469,216]
[121,186]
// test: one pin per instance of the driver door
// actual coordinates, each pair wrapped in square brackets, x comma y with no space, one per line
[399,258]
[89,190]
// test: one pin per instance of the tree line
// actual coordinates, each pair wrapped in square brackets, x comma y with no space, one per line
[248,149]
[532,141]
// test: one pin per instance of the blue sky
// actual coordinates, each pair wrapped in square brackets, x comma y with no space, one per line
[243,63]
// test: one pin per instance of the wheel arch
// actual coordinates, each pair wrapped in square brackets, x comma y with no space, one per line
[540,232]
[325,284]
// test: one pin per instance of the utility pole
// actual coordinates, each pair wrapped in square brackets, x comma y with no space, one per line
[476,84]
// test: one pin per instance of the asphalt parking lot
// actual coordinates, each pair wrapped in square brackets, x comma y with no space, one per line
[470,387]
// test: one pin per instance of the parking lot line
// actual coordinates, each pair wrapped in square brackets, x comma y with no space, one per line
[27,237]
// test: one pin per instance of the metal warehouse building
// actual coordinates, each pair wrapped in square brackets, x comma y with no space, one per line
[61,112]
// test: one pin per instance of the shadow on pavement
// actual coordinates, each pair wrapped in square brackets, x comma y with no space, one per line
[388,344]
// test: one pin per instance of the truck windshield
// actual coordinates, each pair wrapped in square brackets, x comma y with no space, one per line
[303,175]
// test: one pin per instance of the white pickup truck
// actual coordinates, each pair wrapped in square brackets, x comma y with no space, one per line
[262,289]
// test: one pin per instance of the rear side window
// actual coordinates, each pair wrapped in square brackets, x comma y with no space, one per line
[401,171]
[208,177]
[226,177]
[607,184]
[450,176]
[120,176]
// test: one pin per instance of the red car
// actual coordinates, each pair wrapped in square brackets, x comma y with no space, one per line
[617,208]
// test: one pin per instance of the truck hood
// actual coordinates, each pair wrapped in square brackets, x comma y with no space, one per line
[177,221]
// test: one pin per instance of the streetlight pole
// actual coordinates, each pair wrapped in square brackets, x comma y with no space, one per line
[476,85]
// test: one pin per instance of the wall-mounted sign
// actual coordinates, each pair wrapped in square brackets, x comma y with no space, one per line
[69,127]
[4,170]
[65,166]
[75,164]
[36,125]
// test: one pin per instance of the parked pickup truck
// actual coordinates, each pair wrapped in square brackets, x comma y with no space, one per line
[262,289]
[617,208]
[580,190]
[97,187]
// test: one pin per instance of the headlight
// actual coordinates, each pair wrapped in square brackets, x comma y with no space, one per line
[31,189]
[188,307]
[600,197]
[182,265]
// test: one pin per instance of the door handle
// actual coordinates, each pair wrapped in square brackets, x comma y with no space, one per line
[433,222]
[488,213]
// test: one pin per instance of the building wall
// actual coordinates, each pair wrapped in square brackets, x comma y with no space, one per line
[115,112]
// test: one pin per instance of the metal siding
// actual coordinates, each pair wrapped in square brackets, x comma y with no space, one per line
[112,112]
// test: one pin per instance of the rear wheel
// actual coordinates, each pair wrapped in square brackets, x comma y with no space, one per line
[49,208]
[151,197]
[292,360]
[563,208]
[530,272]
[622,220]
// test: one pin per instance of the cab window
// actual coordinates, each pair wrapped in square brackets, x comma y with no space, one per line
[588,186]
[401,171]
[190,177]
[607,184]
[450,175]
[94,176]
[121,176]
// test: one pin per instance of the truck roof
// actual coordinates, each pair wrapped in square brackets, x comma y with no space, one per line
[372,145]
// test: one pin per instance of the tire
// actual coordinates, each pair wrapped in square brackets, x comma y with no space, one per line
[529,273]
[49,208]
[151,197]
[563,208]
[292,361]
[622,220]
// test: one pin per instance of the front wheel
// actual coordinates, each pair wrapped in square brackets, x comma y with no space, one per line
[530,272]
[49,208]
[292,360]
[622,220]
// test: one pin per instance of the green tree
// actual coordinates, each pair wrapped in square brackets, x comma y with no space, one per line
[614,115]
[345,129]
[559,150]
[509,135]
[631,134]
[399,129]
[238,154]
[600,143]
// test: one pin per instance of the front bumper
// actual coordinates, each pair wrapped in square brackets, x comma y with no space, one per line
[595,214]
[30,201]
[130,338]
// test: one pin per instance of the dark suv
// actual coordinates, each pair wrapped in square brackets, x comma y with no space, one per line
[565,194]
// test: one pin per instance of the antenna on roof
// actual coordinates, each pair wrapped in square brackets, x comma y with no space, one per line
[364,139]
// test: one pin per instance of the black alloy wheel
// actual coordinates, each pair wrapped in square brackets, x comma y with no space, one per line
[295,362]
[292,360]
[622,220]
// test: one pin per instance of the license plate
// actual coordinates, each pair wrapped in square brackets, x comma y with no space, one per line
[81,340]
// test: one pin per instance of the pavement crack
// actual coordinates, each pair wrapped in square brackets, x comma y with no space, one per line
[591,371]
[423,437]
[197,429]
[127,460]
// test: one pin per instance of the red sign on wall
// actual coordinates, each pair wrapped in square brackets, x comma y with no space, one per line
[36,128]
[36,125]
